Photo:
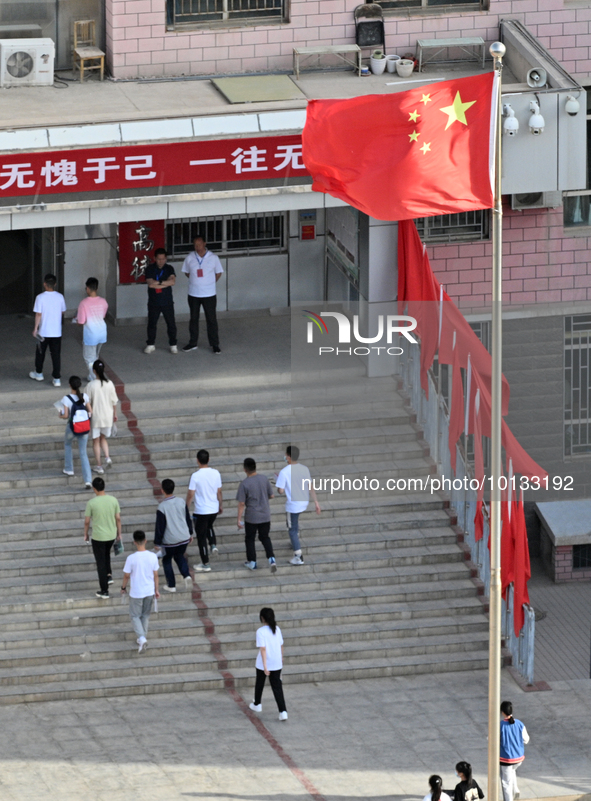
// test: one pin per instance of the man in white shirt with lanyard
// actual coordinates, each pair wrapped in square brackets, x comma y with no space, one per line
[204,270]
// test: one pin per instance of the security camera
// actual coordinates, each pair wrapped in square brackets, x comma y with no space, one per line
[572,106]
[536,121]
[511,124]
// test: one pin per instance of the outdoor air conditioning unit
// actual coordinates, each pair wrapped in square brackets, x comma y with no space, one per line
[536,200]
[26,62]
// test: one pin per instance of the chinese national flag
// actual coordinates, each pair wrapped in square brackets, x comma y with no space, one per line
[522,569]
[408,154]
[456,413]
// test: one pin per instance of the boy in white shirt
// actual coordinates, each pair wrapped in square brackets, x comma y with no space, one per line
[205,487]
[295,483]
[141,571]
[49,309]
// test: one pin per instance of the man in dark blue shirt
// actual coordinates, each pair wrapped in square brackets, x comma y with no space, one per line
[160,278]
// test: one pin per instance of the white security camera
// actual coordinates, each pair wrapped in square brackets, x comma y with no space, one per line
[511,124]
[536,121]
[572,106]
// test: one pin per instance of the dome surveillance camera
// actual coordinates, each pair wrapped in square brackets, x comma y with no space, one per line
[572,106]
[511,124]
[536,121]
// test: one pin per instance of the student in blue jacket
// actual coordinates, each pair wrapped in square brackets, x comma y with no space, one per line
[514,737]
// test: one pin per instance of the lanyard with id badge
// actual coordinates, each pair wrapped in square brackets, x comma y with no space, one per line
[200,262]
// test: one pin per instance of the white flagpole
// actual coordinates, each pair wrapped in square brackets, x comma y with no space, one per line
[497,51]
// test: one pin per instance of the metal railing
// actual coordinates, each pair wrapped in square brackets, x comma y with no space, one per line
[433,417]
[461,227]
[181,12]
[404,4]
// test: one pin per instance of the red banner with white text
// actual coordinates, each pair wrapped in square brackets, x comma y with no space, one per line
[140,166]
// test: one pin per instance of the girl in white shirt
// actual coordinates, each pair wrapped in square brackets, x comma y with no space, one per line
[436,794]
[269,662]
[103,397]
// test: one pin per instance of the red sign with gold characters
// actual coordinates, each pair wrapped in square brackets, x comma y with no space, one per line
[137,243]
[141,166]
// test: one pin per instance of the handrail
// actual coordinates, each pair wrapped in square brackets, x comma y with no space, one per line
[432,416]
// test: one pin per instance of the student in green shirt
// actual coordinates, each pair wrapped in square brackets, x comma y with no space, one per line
[105,514]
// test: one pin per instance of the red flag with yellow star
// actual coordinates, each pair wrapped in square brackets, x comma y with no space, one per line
[408,154]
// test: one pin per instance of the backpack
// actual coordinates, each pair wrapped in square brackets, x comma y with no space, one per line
[79,417]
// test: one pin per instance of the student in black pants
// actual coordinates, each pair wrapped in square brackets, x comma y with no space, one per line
[269,662]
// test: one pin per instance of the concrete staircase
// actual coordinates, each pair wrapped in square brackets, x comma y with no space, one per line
[384,590]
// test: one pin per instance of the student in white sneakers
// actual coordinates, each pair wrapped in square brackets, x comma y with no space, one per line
[174,532]
[269,662]
[205,488]
[253,501]
[49,310]
[295,483]
[104,400]
[141,572]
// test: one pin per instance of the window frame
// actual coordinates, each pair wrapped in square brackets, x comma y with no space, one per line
[570,387]
[424,224]
[174,24]
[425,8]
[204,225]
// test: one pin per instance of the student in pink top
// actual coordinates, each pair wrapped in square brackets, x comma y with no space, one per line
[91,314]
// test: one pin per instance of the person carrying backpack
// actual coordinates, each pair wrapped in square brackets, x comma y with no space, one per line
[76,410]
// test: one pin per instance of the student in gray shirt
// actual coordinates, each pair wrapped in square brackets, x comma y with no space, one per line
[174,532]
[253,500]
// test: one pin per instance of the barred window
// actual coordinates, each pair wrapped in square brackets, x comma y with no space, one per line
[577,384]
[196,12]
[392,5]
[463,227]
[240,234]
[581,556]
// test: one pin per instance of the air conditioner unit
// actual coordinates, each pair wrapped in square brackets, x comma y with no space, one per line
[26,62]
[536,200]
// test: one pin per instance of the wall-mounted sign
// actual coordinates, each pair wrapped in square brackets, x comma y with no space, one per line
[171,164]
[307,221]
[137,243]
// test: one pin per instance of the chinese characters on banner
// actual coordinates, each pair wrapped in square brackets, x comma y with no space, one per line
[137,243]
[173,164]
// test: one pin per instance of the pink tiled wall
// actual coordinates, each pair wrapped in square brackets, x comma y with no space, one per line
[139,45]
[541,263]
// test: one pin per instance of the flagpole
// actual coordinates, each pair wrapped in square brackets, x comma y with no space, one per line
[497,51]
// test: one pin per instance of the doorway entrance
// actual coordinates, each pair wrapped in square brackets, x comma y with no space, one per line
[25,257]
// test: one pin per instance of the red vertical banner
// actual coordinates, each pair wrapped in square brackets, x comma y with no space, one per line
[137,243]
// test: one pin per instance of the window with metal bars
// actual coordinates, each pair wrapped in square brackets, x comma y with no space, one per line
[394,5]
[577,384]
[195,12]
[467,226]
[581,556]
[240,234]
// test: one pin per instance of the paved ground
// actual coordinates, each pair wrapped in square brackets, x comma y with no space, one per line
[377,739]
[250,345]
[565,628]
